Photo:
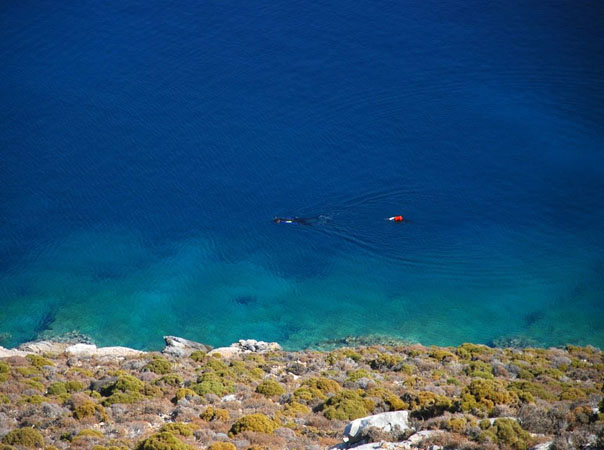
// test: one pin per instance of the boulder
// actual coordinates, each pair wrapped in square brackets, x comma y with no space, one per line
[7,353]
[181,348]
[387,422]
[543,446]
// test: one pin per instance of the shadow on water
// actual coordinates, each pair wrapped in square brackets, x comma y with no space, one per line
[246,300]
[43,324]
[533,317]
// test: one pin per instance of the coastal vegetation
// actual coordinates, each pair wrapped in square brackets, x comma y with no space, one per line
[471,397]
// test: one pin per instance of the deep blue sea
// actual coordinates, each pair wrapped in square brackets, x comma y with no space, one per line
[145,148]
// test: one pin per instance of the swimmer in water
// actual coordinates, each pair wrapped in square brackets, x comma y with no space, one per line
[298,220]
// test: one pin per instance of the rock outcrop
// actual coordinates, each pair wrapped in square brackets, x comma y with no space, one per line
[246,346]
[181,348]
[387,422]
[90,350]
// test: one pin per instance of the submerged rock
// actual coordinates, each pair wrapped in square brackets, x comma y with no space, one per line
[180,348]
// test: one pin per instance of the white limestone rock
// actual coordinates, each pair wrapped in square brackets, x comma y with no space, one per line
[90,350]
[7,353]
[387,422]
[180,347]
[43,347]
[246,346]
[543,446]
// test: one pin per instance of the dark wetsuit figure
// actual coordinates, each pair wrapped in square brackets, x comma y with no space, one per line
[298,220]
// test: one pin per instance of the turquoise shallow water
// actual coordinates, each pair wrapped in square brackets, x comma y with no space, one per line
[146,148]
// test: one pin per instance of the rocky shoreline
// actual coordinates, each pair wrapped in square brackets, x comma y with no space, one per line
[254,395]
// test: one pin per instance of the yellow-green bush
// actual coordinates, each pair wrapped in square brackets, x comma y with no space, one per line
[456,425]
[90,409]
[162,441]
[428,404]
[508,434]
[184,429]
[347,405]
[485,394]
[441,354]
[258,422]
[472,351]
[479,369]
[527,389]
[198,356]
[218,414]
[39,361]
[356,375]
[315,389]
[24,437]
[213,383]
[270,388]
[90,433]
[393,401]
[60,387]
[170,379]
[385,361]
[573,394]
[295,409]
[158,365]
[183,393]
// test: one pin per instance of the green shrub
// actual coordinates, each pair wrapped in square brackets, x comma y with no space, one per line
[347,405]
[198,356]
[39,361]
[4,400]
[184,429]
[89,409]
[162,441]
[217,414]
[527,389]
[270,388]
[158,365]
[573,394]
[356,375]
[295,409]
[123,397]
[259,423]
[212,383]
[427,404]
[35,384]
[170,379]
[90,433]
[385,361]
[315,389]
[508,434]
[441,354]
[456,425]
[392,401]
[183,393]
[485,394]
[479,369]
[472,351]
[24,437]
[124,383]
